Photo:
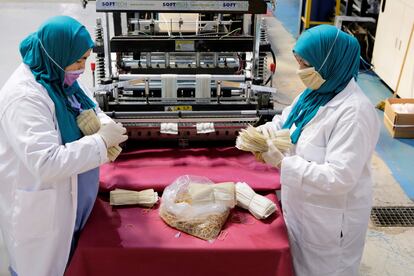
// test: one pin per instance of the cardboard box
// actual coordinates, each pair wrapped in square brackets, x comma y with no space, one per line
[400,125]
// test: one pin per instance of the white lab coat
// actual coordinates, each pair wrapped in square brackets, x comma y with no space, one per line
[326,185]
[38,190]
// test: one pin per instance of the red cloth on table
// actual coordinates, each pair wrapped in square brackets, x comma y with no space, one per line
[158,168]
[135,241]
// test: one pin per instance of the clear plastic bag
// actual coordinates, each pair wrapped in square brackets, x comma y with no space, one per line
[197,206]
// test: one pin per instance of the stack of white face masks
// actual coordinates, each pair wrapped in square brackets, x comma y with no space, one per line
[258,205]
[229,194]
[205,128]
[169,128]
[197,206]
[403,108]
[250,139]
[222,193]
[146,198]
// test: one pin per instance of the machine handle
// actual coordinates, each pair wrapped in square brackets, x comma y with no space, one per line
[383,5]
[273,67]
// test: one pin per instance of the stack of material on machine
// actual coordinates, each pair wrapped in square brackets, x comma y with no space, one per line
[250,139]
[146,198]
[205,128]
[260,206]
[169,128]
[203,87]
[89,124]
[169,86]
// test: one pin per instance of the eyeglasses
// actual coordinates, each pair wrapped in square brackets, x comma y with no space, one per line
[302,61]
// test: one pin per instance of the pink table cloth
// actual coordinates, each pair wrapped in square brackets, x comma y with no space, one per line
[158,168]
[135,241]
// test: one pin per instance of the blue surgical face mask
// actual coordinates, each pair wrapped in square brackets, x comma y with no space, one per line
[72,76]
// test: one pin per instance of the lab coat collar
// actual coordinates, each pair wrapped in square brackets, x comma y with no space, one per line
[343,95]
[337,100]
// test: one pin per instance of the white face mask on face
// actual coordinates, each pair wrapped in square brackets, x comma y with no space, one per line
[310,77]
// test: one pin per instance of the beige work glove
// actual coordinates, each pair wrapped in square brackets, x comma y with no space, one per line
[272,156]
[113,134]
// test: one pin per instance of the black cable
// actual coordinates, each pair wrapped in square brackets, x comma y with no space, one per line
[268,80]
[274,62]
[273,55]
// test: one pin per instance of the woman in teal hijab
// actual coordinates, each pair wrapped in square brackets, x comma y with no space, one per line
[334,55]
[326,186]
[49,169]
[58,44]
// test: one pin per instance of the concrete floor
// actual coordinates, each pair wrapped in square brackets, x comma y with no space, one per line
[388,251]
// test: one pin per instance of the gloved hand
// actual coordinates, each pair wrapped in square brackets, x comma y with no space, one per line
[88,122]
[113,134]
[268,129]
[272,156]
[113,153]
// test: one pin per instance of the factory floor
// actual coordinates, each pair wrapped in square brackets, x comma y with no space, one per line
[388,251]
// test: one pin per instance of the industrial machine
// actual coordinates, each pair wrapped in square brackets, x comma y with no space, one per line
[184,70]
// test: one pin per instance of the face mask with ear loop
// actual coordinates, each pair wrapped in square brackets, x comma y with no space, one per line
[312,78]
[70,76]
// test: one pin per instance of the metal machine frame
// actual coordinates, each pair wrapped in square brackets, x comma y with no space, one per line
[153,72]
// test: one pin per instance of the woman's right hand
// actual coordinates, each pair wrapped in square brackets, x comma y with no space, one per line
[272,156]
[113,134]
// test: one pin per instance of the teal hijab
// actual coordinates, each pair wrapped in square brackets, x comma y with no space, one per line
[58,43]
[339,54]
